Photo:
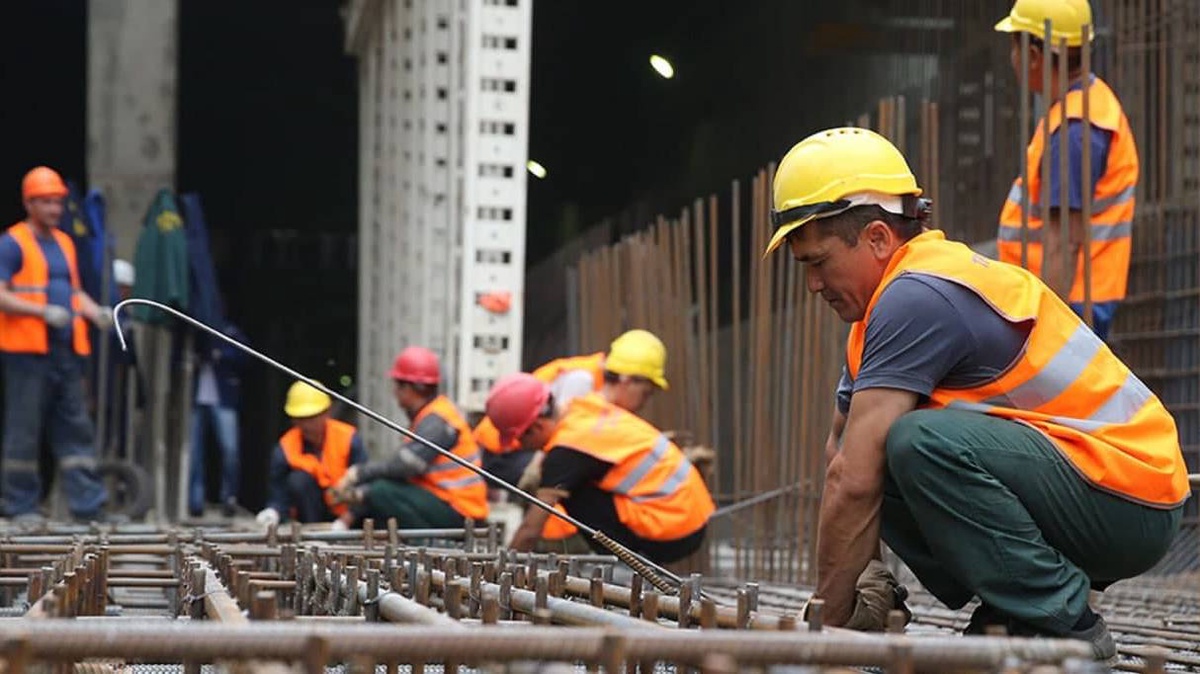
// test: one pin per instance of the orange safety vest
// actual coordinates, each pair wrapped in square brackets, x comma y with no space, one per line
[328,468]
[486,434]
[1112,199]
[28,334]
[459,487]
[658,493]
[1066,384]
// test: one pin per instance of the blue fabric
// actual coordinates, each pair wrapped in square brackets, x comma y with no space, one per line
[204,299]
[47,391]
[926,332]
[1101,141]
[59,289]
[89,249]
[103,243]
[277,480]
[1102,316]
[224,421]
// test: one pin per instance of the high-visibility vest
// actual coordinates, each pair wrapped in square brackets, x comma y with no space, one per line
[1066,383]
[328,468]
[658,493]
[486,434]
[1112,198]
[29,334]
[459,487]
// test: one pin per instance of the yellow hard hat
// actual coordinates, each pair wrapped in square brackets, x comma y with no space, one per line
[837,169]
[305,400]
[638,353]
[1067,17]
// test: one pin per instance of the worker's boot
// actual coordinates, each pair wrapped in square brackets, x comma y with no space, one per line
[1104,648]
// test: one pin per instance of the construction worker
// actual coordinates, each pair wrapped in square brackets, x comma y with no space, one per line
[629,373]
[1114,167]
[217,395]
[627,376]
[43,338]
[607,467]
[1002,450]
[421,488]
[310,457]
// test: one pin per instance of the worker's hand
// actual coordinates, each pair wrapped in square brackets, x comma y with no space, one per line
[531,479]
[267,516]
[876,594]
[103,318]
[342,523]
[56,316]
[349,479]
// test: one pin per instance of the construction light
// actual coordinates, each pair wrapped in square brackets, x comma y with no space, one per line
[536,169]
[345,381]
[662,66]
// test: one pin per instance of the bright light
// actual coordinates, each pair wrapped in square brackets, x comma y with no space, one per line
[662,66]
[536,169]
[345,381]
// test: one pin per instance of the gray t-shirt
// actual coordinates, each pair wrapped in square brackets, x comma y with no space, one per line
[925,333]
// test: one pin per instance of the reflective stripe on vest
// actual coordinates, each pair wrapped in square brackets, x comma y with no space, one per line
[457,486]
[327,469]
[1113,202]
[657,492]
[29,334]
[1066,383]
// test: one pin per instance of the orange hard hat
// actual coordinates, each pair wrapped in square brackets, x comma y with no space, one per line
[42,181]
[416,364]
[514,403]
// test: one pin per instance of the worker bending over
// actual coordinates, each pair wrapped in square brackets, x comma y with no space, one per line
[1114,167]
[44,341]
[418,486]
[609,468]
[634,367]
[1000,447]
[309,459]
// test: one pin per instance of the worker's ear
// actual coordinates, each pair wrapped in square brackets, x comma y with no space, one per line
[880,239]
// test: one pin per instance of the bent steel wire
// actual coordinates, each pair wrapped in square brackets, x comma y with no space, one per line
[649,570]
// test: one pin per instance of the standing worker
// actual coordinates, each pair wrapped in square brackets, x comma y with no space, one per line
[608,468]
[310,458]
[419,487]
[43,338]
[215,407]
[1000,447]
[1114,167]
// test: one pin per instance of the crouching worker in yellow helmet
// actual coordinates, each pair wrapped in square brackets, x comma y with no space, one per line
[419,487]
[992,439]
[310,458]
[608,468]
[627,376]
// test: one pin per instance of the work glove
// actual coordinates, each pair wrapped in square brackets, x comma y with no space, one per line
[876,594]
[267,516]
[338,525]
[104,319]
[56,316]
[531,479]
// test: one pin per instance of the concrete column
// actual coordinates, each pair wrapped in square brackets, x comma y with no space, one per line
[133,64]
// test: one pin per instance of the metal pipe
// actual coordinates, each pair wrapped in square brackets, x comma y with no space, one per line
[653,572]
[171,642]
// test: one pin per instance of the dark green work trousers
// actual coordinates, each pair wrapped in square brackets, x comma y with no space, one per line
[981,506]
[413,507]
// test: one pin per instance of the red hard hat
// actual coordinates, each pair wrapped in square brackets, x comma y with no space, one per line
[417,365]
[42,181]
[514,403]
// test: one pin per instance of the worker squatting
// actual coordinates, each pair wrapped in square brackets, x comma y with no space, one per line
[983,430]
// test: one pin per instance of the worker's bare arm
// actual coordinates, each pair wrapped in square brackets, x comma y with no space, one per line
[848,528]
[535,519]
[11,304]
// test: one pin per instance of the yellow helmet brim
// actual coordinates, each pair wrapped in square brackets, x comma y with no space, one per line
[781,234]
[1005,25]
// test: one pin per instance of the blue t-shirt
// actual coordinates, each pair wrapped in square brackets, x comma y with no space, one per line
[1101,140]
[925,333]
[59,290]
